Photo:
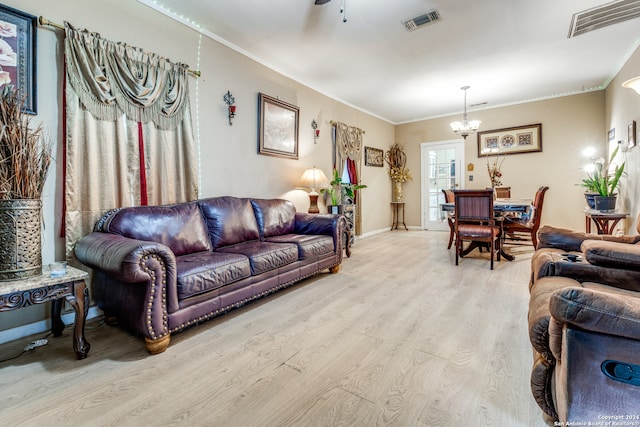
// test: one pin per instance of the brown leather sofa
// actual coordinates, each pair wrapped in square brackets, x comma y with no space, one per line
[160,269]
[584,326]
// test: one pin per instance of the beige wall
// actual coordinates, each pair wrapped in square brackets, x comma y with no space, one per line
[623,106]
[568,125]
[229,162]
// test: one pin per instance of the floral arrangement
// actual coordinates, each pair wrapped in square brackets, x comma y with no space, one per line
[494,171]
[25,155]
[400,174]
[396,158]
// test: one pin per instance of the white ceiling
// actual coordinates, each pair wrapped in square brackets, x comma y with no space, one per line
[508,51]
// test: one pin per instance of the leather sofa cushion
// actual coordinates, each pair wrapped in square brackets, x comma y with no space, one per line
[612,254]
[230,220]
[275,216]
[206,271]
[180,227]
[265,256]
[309,246]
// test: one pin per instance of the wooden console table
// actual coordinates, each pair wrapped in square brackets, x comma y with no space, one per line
[605,221]
[20,293]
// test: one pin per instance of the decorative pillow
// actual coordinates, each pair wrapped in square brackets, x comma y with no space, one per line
[180,227]
[230,220]
[275,216]
[612,254]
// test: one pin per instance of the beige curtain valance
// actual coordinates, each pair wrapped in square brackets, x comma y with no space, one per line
[348,140]
[113,79]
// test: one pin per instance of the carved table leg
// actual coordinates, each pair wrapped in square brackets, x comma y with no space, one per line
[57,325]
[80,303]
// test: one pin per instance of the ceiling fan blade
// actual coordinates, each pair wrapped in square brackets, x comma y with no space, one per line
[322,1]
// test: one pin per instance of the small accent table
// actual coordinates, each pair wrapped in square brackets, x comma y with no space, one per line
[20,293]
[397,207]
[605,221]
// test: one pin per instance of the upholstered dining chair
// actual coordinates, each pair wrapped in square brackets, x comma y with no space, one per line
[514,228]
[449,198]
[474,221]
[503,192]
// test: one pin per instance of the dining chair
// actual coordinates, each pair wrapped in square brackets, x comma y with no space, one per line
[514,227]
[503,192]
[474,221]
[449,198]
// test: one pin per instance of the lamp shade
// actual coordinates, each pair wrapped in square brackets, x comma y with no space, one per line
[314,179]
[633,83]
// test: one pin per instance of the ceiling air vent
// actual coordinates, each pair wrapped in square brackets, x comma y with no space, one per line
[417,22]
[603,16]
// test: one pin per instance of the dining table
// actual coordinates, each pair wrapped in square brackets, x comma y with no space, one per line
[501,208]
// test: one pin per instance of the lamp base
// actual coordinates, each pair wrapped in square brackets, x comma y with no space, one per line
[313,204]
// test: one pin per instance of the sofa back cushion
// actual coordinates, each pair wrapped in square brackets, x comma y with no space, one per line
[180,227]
[230,220]
[275,216]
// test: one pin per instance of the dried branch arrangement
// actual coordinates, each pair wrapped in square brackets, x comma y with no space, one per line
[396,158]
[25,154]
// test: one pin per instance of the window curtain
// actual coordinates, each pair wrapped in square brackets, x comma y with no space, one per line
[129,138]
[348,149]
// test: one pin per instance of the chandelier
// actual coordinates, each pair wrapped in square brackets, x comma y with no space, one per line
[465,127]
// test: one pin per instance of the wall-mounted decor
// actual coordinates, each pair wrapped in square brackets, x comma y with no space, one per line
[278,128]
[632,134]
[18,54]
[373,157]
[515,140]
[612,134]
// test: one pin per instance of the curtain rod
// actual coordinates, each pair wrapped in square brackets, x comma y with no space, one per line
[44,21]
[335,123]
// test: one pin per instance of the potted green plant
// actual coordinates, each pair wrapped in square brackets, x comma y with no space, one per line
[601,183]
[338,190]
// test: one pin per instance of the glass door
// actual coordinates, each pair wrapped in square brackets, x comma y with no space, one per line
[441,169]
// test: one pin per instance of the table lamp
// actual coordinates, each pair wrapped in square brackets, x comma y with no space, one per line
[314,179]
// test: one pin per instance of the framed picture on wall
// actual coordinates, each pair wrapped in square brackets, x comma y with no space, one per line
[278,127]
[18,54]
[514,140]
[632,134]
[373,157]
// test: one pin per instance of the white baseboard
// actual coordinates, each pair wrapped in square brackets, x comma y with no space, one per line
[42,326]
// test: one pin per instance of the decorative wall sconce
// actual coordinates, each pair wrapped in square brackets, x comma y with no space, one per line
[633,83]
[316,131]
[230,100]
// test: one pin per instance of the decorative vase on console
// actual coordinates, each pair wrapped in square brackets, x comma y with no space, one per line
[396,158]
[25,157]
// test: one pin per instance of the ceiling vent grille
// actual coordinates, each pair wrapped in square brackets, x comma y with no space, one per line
[428,18]
[603,16]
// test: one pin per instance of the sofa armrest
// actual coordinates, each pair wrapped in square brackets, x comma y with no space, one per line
[615,312]
[131,261]
[612,254]
[319,224]
[569,240]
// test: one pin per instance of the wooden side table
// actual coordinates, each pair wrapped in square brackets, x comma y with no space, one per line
[605,221]
[16,294]
[397,207]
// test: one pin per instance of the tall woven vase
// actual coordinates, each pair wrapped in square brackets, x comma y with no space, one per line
[20,239]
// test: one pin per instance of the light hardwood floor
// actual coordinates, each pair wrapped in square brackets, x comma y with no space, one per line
[400,336]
